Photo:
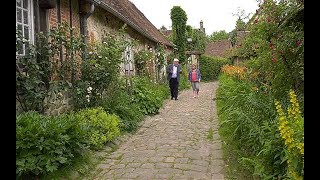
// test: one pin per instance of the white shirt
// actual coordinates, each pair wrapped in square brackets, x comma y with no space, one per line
[174,72]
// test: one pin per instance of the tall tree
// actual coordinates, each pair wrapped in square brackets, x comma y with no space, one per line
[179,20]
[218,35]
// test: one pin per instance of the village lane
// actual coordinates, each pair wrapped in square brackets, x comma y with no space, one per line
[174,144]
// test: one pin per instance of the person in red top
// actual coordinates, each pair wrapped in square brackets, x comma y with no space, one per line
[194,77]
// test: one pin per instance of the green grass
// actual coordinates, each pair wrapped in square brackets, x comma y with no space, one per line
[210,134]
[234,170]
[251,146]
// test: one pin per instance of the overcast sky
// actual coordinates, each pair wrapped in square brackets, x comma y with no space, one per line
[216,14]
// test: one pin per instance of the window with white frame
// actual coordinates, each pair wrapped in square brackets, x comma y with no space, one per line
[128,61]
[24,23]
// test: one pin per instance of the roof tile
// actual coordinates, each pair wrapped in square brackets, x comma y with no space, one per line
[134,17]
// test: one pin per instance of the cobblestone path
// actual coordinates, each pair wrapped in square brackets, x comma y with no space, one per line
[173,144]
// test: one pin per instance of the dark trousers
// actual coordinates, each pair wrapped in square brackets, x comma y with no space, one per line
[174,84]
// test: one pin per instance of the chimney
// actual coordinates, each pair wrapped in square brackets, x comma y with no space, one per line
[201,27]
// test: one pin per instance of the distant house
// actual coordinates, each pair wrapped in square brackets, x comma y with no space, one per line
[92,18]
[241,35]
[168,32]
[217,48]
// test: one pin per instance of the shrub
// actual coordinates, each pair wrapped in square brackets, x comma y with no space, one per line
[38,67]
[101,127]
[44,143]
[99,70]
[147,95]
[119,102]
[275,44]
[210,67]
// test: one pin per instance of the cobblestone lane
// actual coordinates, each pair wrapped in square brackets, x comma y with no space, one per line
[173,144]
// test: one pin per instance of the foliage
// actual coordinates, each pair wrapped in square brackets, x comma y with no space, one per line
[240,25]
[160,64]
[291,127]
[36,69]
[119,102]
[102,127]
[179,18]
[148,95]
[248,127]
[233,37]
[218,36]
[210,67]
[45,143]
[99,71]
[275,47]
[184,82]
[29,84]
[198,39]
[80,167]
[170,58]
[161,60]
[141,60]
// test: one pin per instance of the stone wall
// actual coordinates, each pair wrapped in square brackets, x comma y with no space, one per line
[57,103]
[18,107]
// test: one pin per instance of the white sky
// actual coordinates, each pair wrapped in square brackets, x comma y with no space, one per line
[216,14]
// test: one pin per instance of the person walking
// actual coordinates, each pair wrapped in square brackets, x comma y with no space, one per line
[173,71]
[194,77]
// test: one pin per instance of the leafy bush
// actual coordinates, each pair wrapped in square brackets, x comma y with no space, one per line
[101,127]
[99,70]
[148,95]
[38,67]
[119,102]
[210,67]
[44,143]
[275,44]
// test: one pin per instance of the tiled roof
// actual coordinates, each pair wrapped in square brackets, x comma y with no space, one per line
[217,48]
[166,32]
[129,13]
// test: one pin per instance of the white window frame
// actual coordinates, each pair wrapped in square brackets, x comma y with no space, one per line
[30,22]
[128,64]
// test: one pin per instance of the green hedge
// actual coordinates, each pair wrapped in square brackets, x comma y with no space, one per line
[210,67]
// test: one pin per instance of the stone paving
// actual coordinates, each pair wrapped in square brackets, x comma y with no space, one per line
[173,144]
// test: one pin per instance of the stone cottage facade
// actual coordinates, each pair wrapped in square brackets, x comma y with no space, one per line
[94,19]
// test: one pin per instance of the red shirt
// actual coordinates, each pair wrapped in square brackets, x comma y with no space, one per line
[193,76]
